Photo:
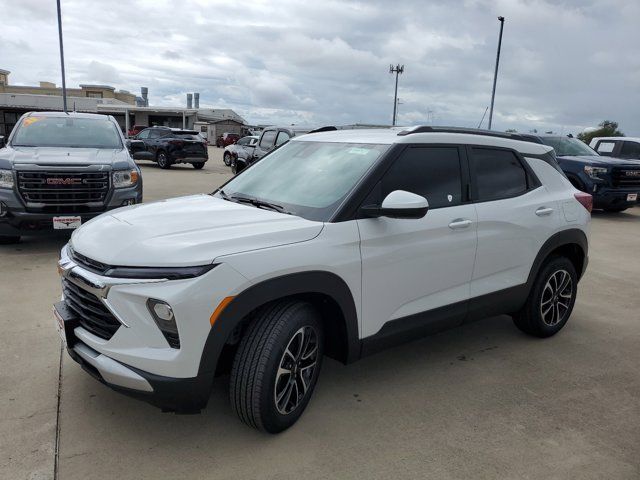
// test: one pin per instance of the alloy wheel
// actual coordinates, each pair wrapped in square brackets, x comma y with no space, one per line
[555,302]
[296,369]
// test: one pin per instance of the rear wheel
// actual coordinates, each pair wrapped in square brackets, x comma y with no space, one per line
[226,158]
[551,299]
[277,365]
[198,166]
[163,160]
[9,239]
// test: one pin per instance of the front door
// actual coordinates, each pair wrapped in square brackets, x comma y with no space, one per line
[411,266]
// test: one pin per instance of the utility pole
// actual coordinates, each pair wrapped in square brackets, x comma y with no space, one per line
[495,73]
[398,69]
[64,82]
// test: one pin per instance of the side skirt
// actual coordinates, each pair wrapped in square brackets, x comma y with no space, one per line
[413,327]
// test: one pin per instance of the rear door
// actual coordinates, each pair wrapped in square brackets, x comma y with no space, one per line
[515,217]
[411,266]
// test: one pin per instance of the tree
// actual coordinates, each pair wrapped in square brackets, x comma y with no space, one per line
[606,128]
[511,130]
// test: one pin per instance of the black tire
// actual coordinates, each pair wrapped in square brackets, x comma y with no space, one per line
[615,210]
[198,166]
[236,167]
[226,158]
[163,160]
[9,239]
[549,291]
[256,378]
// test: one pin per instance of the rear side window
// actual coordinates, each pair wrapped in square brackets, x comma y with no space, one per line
[630,149]
[605,147]
[157,133]
[498,174]
[267,139]
[433,172]
[282,137]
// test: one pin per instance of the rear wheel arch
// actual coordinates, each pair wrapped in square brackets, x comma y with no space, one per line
[326,291]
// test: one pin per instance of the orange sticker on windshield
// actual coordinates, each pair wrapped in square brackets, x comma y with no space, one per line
[30,120]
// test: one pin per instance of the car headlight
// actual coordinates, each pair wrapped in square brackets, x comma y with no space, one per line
[595,172]
[125,178]
[6,179]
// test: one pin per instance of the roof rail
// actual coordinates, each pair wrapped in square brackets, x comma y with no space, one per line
[468,131]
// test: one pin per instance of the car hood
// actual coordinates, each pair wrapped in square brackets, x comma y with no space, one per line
[63,156]
[186,231]
[600,160]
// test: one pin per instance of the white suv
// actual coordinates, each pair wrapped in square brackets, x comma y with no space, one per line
[335,244]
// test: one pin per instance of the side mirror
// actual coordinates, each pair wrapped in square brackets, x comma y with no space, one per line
[399,204]
[2,142]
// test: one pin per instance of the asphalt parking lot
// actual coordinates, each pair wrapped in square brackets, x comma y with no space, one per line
[482,401]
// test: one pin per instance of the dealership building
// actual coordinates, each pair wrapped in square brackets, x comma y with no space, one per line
[127,108]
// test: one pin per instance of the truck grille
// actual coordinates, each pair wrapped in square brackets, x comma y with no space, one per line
[63,189]
[626,177]
[91,312]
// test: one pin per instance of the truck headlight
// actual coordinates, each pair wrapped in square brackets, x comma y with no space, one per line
[595,172]
[125,178]
[6,179]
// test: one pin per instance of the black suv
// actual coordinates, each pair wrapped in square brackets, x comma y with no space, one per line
[167,146]
[614,183]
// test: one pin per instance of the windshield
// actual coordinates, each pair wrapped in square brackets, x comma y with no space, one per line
[308,179]
[69,132]
[569,146]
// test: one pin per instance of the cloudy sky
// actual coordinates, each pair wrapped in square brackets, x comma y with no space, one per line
[565,65]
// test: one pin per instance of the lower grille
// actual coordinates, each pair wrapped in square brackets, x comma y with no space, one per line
[58,191]
[626,177]
[92,314]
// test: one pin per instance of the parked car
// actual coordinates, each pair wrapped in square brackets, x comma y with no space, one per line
[243,149]
[270,139]
[59,170]
[338,244]
[167,146]
[621,147]
[227,139]
[613,182]
[135,130]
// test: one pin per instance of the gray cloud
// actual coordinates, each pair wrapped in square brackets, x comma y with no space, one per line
[566,65]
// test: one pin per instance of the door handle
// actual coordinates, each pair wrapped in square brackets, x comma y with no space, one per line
[544,211]
[459,223]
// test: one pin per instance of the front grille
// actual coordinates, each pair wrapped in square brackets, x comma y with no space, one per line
[623,177]
[88,263]
[58,191]
[91,312]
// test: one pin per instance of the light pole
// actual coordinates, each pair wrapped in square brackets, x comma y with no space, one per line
[64,83]
[398,69]
[495,73]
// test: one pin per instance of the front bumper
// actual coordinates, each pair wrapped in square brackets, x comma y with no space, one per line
[18,221]
[604,197]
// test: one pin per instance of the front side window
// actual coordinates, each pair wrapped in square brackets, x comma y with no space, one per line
[630,149]
[143,134]
[433,172]
[498,174]
[267,139]
[66,131]
[308,179]
[606,147]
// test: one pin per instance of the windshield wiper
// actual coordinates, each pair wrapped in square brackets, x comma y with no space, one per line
[256,202]
[224,195]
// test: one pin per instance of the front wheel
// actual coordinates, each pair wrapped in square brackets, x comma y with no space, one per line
[277,365]
[551,299]
[198,166]
[237,167]
[226,158]
[163,160]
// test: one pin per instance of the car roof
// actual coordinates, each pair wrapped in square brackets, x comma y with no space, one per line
[448,135]
[68,115]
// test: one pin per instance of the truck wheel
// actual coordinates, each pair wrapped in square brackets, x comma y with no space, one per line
[551,299]
[198,166]
[163,160]
[226,158]
[9,239]
[277,365]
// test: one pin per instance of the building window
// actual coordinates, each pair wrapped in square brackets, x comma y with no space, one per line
[94,94]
